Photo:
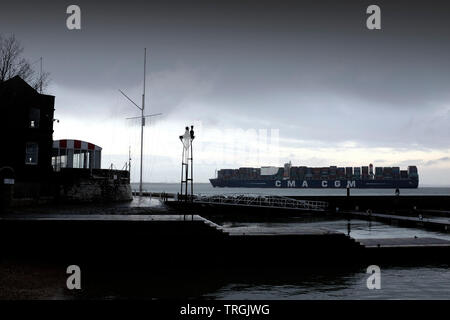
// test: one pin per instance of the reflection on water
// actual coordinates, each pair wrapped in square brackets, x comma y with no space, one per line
[19,280]
[406,282]
[144,202]
[429,282]
[358,229]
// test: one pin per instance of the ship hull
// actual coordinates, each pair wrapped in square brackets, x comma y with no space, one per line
[319,184]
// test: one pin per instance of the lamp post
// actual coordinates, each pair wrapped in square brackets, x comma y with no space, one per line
[187,160]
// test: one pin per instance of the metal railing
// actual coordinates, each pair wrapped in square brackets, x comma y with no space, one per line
[256,200]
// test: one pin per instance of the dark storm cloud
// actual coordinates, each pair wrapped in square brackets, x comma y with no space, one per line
[310,68]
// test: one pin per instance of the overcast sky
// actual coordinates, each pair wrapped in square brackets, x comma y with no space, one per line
[264,82]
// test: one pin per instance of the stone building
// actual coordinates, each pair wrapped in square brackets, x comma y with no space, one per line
[33,167]
[26,135]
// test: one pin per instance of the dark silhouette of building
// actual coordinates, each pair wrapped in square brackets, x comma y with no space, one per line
[34,167]
[26,131]
[26,125]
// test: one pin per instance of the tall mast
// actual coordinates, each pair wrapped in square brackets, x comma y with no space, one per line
[40,78]
[142,122]
[129,160]
[142,118]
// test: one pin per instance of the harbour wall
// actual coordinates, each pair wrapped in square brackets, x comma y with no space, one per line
[373,202]
[96,185]
[188,242]
[68,186]
[400,205]
[384,203]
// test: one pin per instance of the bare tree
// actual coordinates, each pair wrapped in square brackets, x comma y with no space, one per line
[41,81]
[13,64]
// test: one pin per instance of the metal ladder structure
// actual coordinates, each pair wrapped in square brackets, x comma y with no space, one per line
[186,162]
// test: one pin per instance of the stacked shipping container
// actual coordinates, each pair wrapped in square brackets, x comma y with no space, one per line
[321,173]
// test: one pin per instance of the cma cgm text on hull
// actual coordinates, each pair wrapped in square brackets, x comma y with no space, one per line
[317,177]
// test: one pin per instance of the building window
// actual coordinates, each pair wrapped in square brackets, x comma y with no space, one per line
[34,117]
[80,159]
[59,159]
[31,153]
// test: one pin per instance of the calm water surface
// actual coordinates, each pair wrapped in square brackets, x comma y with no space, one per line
[206,188]
[397,282]
[424,282]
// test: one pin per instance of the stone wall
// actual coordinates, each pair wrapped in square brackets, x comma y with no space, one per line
[98,185]
[67,186]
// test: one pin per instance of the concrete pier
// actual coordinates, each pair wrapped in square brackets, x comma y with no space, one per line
[364,202]
[404,243]
[190,241]
[406,250]
[383,202]
[434,223]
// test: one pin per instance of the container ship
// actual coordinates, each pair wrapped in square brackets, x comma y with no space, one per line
[317,177]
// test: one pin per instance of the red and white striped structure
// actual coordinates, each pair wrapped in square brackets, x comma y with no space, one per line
[76,154]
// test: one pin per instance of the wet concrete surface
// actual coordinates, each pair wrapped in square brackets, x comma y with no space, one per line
[139,205]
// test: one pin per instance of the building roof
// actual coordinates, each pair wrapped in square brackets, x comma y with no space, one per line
[75,144]
[16,85]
